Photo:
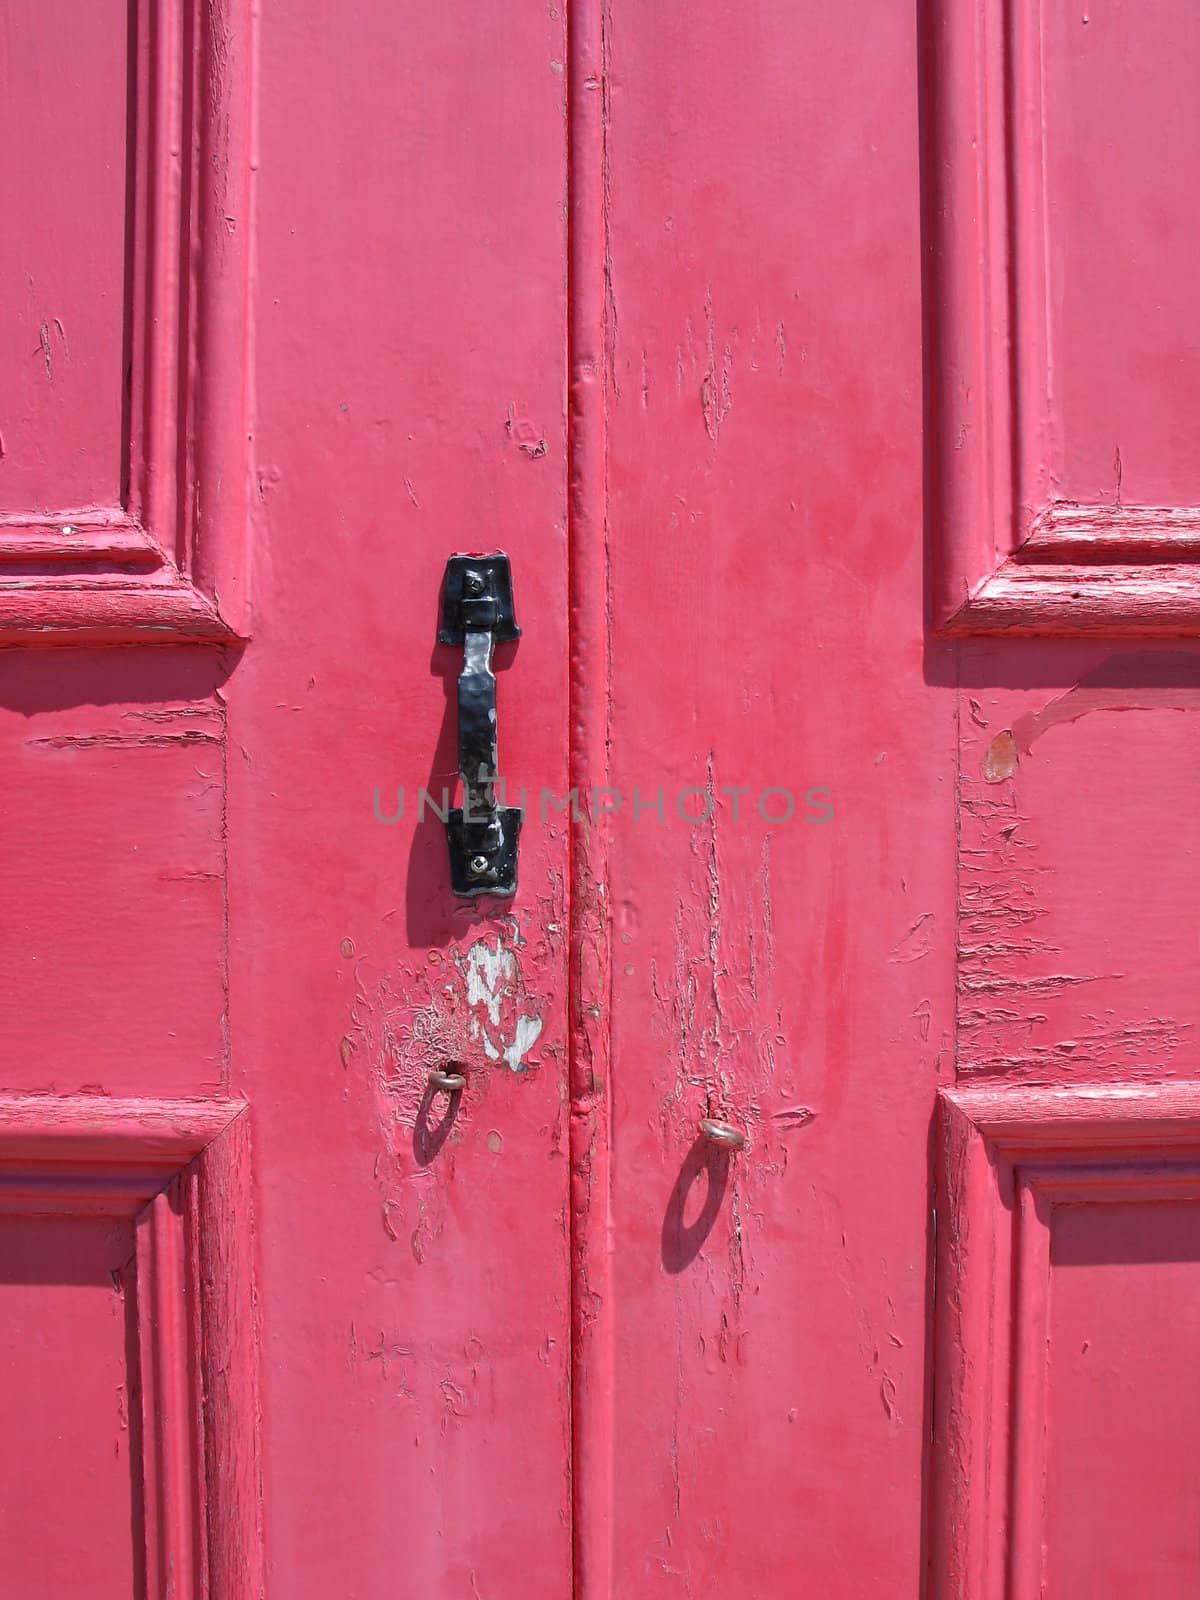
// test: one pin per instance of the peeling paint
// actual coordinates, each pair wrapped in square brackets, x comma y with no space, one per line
[475,1004]
[1146,680]
[917,942]
[471,1006]
[720,1018]
[489,969]
[526,1033]
[496,989]
[1011,975]
[716,386]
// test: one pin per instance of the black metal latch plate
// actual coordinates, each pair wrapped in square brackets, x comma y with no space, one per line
[477,611]
[477,594]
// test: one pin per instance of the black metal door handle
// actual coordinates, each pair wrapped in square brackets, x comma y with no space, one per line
[477,612]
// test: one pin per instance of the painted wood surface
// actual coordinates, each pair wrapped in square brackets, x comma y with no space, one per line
[766,340]
[129,1362]
[410,337]
[62,347]
[1066,1295]
[65,1402]
[125,454]
[1032,118]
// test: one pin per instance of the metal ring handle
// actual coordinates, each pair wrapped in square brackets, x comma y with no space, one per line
[448,1082]
[723,1134]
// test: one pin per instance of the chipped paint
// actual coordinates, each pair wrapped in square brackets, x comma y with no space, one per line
[1146,680]
[504,1020]
[489,969]
[474,1005]
[468,1007]
[471,1004]
[917,942]
[1038,1000]
[721,1018]
[526,1033]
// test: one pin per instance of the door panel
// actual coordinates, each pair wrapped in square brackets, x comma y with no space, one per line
[790,976]
[776,347]
[1061,479]
[1125,1303]
[1065,1309]
[411,403]
[1116,91]
[65,1403]
[114,777]
[62,355]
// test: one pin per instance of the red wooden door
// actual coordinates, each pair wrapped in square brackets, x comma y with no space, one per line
[826,377]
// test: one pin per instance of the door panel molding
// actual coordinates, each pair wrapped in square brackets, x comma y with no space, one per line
[167,563]
[1006,1159]
[181,1170]
[591,332]
[1018,548]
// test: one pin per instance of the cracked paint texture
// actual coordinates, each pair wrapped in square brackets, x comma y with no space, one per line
[1074,913]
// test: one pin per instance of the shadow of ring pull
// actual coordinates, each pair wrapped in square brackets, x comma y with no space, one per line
[477,613]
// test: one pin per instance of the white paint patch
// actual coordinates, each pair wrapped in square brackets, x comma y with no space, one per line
[488,971]
[500,1018]
[528,1031]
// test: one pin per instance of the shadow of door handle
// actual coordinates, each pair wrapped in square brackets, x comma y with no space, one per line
[477,612]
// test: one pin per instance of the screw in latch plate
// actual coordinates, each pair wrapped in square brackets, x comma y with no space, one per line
[479,865]
[474,583]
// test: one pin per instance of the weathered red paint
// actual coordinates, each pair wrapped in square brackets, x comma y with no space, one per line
[1048,1199]
[798,359]
[1062,503]
[125,469]
[130,1346]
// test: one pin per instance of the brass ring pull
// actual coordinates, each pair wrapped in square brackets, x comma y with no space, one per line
[447,1082]
[723,1134]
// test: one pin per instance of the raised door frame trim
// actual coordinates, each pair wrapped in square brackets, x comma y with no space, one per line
[169,565]
[181,1169]
[1004,1158]
[1008,558]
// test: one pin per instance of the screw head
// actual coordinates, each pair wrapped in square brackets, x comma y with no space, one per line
[474,583]
[479,865]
